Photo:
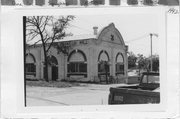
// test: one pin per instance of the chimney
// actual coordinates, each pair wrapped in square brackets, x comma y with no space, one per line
[95,30]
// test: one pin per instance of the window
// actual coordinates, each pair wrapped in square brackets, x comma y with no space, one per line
[53,2]
[8,2]
[114,2]
[84,2]
[98,2]
[71,2]
[40,2]
[77,67]
[150,79]
[103,65]
[30,67]
[77,63]
[28,2]
[119,64]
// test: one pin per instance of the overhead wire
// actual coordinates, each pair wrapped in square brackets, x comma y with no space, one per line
[138,38]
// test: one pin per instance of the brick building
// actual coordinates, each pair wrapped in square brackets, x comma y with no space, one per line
[84,61]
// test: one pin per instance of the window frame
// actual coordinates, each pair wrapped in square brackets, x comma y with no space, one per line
[76,69]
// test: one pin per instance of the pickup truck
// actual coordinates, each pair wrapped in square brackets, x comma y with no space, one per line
[147,91]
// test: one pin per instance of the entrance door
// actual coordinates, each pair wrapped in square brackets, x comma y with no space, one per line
[54,73]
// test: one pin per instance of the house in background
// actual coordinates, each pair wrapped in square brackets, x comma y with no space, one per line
[83,63]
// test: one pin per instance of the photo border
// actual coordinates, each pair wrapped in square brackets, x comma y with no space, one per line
[19,83]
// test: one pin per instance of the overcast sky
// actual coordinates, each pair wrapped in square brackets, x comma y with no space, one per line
[135,29]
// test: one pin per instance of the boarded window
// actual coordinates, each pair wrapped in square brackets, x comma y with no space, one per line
[114,2]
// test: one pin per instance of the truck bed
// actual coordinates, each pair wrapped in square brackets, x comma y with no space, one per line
[133,95]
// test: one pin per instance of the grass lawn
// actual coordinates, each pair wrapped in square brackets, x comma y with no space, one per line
[58,84]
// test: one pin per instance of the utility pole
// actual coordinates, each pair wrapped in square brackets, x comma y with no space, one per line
[151,34]
[151,49]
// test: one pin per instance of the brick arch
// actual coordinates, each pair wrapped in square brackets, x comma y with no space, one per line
[53,60]
[103,51]
[119,54]
[31,56]
[79,51]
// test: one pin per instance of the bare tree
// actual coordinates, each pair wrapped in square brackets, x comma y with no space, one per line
[46,30]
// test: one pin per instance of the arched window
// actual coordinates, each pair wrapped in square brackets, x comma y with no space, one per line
[30,67]
[119,64]
[52,61]
[103,63]
[77,63]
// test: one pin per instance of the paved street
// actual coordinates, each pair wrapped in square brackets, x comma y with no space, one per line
[86,94]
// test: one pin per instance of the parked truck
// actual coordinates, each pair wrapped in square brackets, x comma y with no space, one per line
[147,91]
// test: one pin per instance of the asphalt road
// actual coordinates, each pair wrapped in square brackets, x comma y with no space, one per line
[86,94]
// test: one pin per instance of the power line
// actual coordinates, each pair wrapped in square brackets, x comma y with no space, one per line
[145,35]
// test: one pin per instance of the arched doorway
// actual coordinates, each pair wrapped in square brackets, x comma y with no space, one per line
[53,2]
[119,64]
[30,66]
[77,64]
[103,64]
[53,64]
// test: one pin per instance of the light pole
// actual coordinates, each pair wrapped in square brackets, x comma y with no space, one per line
[151,34]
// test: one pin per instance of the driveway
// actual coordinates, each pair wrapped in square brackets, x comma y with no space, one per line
[85,94]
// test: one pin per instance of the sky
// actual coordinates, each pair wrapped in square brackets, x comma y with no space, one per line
[135,29]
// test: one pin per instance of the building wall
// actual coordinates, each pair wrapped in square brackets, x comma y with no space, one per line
[92,48]
[36,52]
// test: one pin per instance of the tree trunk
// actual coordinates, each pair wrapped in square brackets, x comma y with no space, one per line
[46,65]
